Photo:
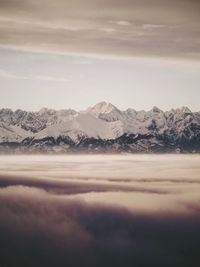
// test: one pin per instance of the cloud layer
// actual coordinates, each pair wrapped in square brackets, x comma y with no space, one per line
[68,216]
[38,229]
[119,28]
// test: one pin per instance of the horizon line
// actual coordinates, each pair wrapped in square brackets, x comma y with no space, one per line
[100,102]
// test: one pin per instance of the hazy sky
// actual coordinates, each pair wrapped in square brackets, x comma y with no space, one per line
[74,53]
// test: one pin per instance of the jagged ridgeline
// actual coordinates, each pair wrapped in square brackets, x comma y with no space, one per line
[102,128]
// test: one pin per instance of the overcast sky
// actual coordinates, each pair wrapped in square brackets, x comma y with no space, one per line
[74,53]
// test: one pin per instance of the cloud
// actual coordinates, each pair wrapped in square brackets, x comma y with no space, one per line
[8,75]
[158,29]
[70,187]
[109,30]
[96,211]
[18,22]
[120,22]
[37,228]
[50,78]
[153,26]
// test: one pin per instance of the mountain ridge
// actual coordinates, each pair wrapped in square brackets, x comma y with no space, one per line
[102,127]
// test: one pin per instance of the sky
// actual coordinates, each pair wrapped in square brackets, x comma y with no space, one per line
[73,54]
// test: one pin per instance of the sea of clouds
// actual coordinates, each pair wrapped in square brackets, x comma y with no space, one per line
[96,210]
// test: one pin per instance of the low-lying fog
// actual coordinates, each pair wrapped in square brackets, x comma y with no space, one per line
[100,210]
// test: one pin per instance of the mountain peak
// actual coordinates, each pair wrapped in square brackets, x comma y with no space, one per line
[102,108]
[156,110]
[45,110]
[185,109]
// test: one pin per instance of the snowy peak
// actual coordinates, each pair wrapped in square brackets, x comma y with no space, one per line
[45,110]
[156,110]
[185,110]
[101,108]
[105,111]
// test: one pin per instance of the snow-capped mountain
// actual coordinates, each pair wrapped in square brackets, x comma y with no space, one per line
[105,111]
[102,127]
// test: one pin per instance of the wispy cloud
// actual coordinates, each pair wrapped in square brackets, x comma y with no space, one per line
[120,22]
[153,26]
[109,30]
[9,75]
[50,78]
[55,25]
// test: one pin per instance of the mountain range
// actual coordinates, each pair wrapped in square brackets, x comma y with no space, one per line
[101,128]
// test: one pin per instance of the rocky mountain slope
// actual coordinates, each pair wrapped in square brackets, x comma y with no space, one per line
[102,128]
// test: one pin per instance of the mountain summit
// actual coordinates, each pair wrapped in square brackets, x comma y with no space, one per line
[106,111]
[100,128]
[101,108]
